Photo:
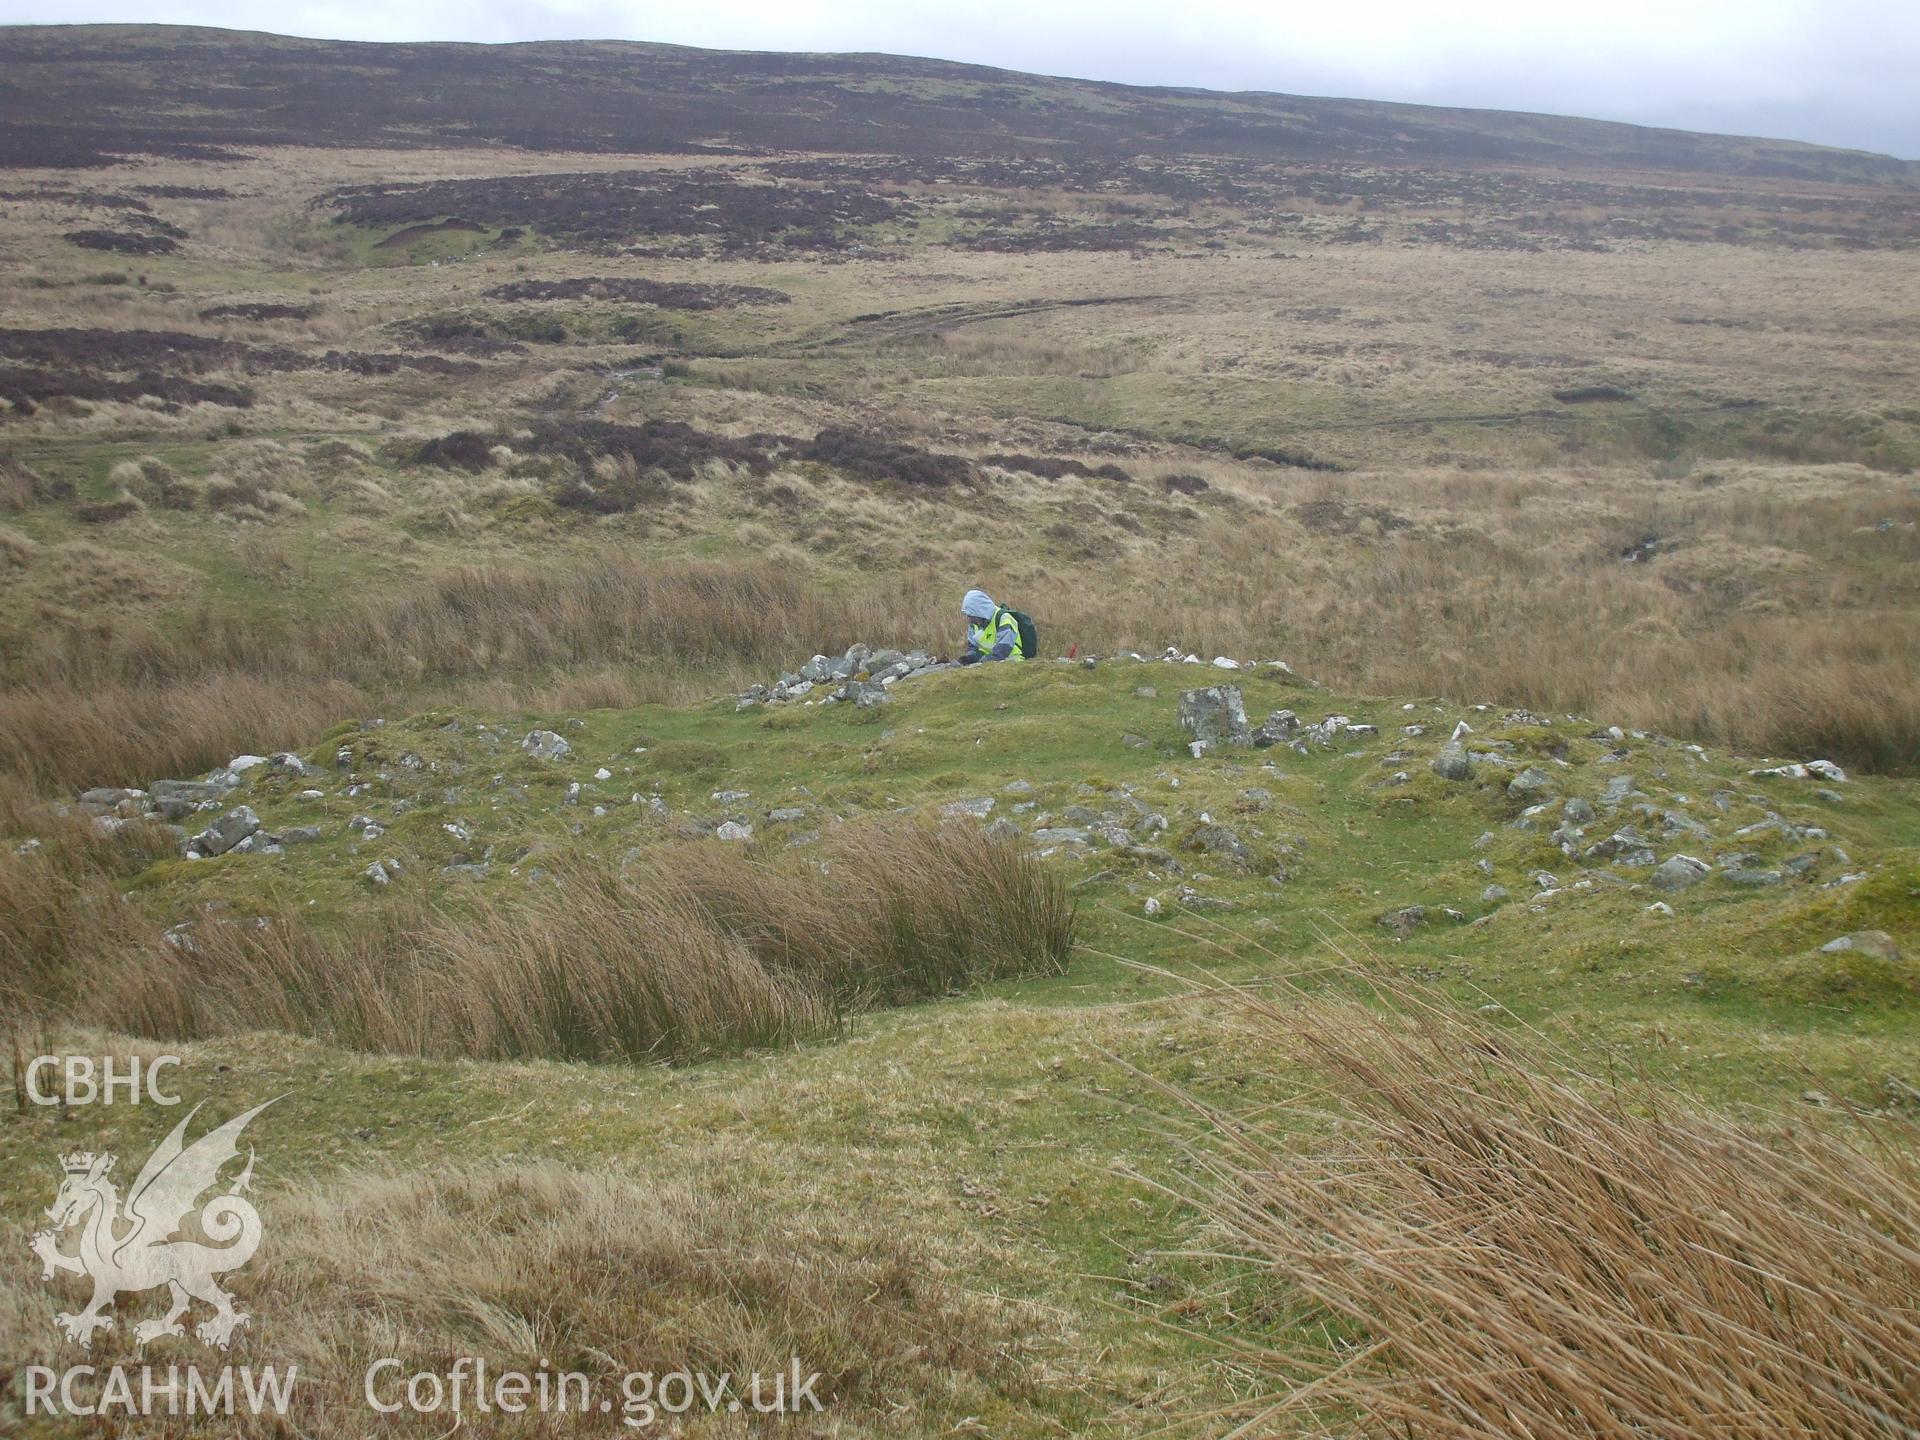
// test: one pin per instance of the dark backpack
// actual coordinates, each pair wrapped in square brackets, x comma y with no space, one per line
[1029,637]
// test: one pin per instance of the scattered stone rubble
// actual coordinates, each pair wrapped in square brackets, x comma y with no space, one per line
[1622,836]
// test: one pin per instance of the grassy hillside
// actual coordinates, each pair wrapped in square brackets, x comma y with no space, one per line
[205,91]
[1019,1259]
[410,486]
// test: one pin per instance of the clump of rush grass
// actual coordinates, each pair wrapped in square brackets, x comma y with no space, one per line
[127,705]
[1497,1246]
[702,950]
[60,905]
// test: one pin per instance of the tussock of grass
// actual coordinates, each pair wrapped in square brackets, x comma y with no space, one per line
[1499,1247]
[702,951]
[58,900]
[606,1274]
[70,735]
[126,706]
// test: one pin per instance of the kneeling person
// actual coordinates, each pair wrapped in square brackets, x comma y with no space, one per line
[993,632]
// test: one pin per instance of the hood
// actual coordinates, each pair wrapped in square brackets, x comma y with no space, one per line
[977,606]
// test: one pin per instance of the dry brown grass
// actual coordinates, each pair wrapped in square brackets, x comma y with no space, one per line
[19,486]
[17,550]
[67,735]
[608,1273]
[1777,624]
[125,705]
[1498,1246]
[692,952]
[60,904]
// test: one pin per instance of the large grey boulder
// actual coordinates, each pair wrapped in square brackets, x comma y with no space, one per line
[1452,762]
[1678,872]
[1215,715]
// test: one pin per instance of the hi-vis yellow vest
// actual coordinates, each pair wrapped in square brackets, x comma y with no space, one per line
[984,636]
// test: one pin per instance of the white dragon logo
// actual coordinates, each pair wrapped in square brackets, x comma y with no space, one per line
[134,1246]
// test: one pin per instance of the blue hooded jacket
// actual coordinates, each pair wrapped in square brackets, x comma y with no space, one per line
[993,633]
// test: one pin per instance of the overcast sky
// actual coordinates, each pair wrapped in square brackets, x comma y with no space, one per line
[1840,72]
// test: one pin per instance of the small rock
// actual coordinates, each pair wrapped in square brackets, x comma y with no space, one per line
[1452,762]
[1530,785]
[1221,843]
[376,874]
[110,797]
[1577,811]
[1877,943]
[1404,921]
[1152,907]
[732,830]
[226,832]
[545,745]
[976,808]
[1822,769]
[787,814]
[1493,894]
[1277,727]
[1660,907]
[1753,879]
